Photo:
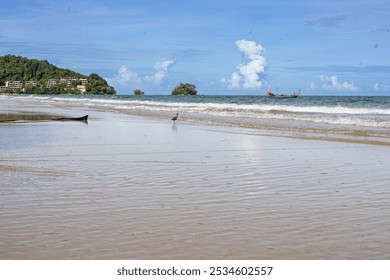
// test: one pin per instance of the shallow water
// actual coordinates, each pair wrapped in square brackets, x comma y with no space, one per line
[121,187]
[347,117]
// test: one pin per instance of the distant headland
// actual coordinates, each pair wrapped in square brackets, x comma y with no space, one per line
[31,76]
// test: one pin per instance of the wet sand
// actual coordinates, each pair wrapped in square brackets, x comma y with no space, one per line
[122,187]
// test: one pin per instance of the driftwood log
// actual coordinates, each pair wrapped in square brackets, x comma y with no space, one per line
[38,117]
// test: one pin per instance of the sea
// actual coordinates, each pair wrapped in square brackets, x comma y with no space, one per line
[344,117]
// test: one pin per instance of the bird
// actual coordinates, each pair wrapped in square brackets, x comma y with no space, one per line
[175,118]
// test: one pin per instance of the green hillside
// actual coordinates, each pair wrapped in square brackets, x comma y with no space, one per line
[31,76]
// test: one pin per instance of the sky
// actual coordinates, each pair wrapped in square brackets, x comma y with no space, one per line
[243,47]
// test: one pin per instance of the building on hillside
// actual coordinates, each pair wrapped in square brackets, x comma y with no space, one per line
[51,83]
[69,80]
[81,88]
[83,82]
[30,84]
[14,85]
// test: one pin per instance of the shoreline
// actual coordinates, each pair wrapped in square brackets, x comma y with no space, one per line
[38,108]
[21,116]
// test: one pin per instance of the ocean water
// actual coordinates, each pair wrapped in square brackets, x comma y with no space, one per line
[333,116]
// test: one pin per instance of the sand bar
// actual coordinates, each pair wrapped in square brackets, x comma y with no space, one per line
[122,187]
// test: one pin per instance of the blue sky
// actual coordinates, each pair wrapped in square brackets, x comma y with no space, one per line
[221,46]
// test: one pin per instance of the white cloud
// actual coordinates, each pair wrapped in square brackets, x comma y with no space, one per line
[161,71]
[381,87]
[247,75]
[332,83]
[124,78]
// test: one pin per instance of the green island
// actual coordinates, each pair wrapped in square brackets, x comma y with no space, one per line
[185,89]
[31,76]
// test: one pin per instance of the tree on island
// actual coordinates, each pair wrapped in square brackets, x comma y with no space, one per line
[138,92]
[185,89]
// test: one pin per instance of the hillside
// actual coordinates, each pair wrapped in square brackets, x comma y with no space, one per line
[22,75]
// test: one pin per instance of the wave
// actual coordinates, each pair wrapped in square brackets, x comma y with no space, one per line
[229,107]
[325,112]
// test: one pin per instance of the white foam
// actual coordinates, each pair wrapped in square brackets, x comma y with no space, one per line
[327,115]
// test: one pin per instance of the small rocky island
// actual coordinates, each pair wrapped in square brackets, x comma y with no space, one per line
[31,76]
[185,89]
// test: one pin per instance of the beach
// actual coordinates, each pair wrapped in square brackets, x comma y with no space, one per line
[138,187]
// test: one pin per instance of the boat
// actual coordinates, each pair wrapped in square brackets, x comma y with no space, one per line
[278,95]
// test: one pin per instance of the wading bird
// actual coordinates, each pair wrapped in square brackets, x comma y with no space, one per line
[175,118]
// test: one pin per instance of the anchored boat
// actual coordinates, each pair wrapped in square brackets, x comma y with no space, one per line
[278,95]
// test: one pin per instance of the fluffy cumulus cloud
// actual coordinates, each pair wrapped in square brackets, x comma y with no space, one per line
[248,75]
[332,83]
[161,71]
[124,77]
[127,78]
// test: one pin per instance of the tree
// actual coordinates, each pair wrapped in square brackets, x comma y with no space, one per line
[138,92]
[185,89]
[97,85]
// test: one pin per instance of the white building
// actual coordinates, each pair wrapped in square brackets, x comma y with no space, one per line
[51,82]
[81,88]
[83,81]
[14,84]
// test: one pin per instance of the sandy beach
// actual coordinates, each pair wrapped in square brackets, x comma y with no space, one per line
[126,187]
